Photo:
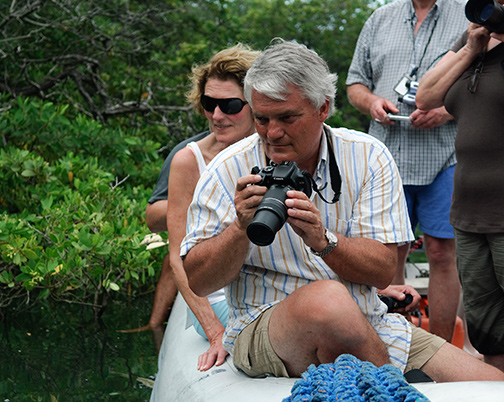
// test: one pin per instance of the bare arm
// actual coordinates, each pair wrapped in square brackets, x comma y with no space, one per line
[435,83]
[368,103]
[358,260]
[216,262]
[155,216]
[184,175]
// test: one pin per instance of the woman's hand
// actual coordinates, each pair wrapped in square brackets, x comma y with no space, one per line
[477,39]
[216,354]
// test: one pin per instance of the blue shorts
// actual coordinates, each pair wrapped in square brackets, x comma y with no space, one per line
[430,205]
[221,311]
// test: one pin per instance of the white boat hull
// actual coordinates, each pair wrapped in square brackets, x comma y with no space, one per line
[178,380]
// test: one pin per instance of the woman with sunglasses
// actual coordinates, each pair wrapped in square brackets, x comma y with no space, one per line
[217,93]
[469,81]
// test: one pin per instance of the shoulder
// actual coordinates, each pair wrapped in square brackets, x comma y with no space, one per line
[451,4]
[390,10]
[184,162]
[241,153]
[386,17]
[183,144]
[349,136]
[359,151]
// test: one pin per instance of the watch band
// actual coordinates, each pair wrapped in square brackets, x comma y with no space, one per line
[331,245]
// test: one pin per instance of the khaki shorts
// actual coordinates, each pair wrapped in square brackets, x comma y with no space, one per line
[424,345]
[254,355]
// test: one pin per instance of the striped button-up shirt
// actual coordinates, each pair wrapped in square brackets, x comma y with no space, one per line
[371,206]
[386,51]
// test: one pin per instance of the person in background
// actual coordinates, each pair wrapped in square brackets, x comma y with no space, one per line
[217,93]
[155,214]
[469,82]
[292,300]
[398,44]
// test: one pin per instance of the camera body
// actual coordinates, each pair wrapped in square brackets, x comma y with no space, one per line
[488,13]
[271,213]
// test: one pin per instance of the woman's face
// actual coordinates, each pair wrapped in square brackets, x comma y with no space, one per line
[228,128]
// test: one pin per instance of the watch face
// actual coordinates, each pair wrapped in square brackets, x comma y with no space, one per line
[333,242]
[331,237]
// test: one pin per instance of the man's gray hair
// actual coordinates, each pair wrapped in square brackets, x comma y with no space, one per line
[288,63]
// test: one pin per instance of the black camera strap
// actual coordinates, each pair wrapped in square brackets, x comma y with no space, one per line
[333,170]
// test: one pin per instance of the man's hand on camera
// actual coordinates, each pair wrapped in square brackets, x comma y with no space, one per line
[399,292]
[304,218]
[247,198]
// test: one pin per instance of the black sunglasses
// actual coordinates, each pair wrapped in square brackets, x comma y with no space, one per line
[227,106]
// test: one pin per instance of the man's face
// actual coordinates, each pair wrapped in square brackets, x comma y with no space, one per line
[290,129]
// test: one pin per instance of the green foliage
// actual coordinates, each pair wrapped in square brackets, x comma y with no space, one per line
[69,229]
[92,97]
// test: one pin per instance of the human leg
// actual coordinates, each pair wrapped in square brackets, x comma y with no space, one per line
[317,323]
[444,286]
[480,259]
[410,193]
[433,212]
[402,255]
[444,362]
[166,290]
[450,363]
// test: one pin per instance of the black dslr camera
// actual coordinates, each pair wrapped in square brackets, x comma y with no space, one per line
[271,213]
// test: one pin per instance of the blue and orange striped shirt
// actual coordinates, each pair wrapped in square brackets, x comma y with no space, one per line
[371,205]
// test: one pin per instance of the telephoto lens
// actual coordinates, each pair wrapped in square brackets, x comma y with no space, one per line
[488,13]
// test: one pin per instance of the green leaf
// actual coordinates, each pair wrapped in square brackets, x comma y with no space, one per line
[47,203]
[85,238]
[28,173]
[30,254]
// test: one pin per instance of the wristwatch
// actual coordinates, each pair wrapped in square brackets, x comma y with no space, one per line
[333,242]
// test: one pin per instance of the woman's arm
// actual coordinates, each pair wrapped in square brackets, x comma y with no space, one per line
[184,176]
[435,83]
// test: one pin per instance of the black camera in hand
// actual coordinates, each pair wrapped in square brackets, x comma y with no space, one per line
[488,13]
[394,304]
[271,213]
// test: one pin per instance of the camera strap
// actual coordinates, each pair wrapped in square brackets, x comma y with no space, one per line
[333,170]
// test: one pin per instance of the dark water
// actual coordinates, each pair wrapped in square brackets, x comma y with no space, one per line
[61,353]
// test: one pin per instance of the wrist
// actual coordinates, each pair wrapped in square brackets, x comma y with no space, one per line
[331,242]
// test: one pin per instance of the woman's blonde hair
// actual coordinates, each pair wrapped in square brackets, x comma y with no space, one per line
[229,64]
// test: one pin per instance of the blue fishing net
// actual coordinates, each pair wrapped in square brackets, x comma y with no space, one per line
[352,380]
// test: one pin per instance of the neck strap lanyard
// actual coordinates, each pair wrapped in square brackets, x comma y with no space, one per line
[415,68]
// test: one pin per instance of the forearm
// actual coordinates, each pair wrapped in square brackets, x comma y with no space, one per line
[200,306]
[216,262]
[361,98]
[369,103]
[155,216]
[435,83]
[363,261]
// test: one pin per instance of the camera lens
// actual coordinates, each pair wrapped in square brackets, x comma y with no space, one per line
[270,216]
[488,13]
